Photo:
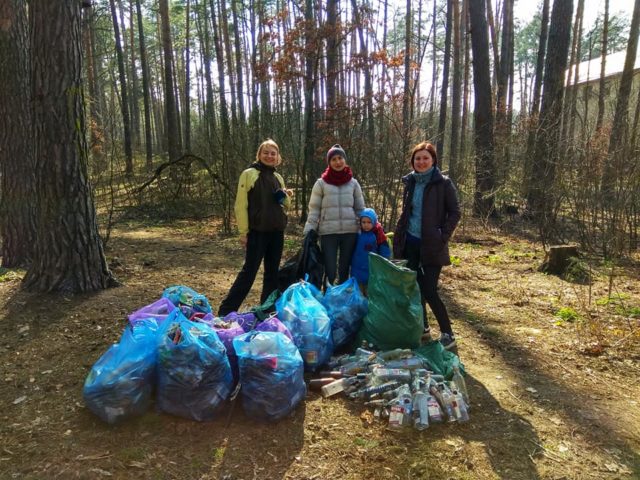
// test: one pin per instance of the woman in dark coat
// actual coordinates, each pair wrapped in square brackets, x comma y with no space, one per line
[430,214]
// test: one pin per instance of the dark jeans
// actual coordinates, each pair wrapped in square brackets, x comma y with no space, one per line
[428,282]
[260,245]
[330,244]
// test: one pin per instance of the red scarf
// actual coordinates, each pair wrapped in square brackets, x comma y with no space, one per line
[379,232]
[333,177]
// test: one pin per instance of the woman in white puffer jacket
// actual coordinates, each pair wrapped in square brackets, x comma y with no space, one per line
[334,211]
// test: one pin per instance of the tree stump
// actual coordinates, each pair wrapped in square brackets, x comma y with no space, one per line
[558,259]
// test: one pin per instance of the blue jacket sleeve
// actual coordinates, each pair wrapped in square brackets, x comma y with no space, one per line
[384,250]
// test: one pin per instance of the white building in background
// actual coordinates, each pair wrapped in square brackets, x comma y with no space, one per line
[588,84]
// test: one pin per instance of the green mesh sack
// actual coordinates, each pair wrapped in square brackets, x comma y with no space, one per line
[395,312]
[439,360]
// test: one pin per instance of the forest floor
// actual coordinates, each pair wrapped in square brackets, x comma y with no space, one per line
[553,375]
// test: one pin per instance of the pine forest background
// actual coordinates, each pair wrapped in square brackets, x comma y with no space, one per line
[170,99]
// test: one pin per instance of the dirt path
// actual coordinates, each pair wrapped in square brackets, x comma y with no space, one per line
[541,409]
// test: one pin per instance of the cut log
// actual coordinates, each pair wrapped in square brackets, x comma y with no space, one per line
[558,259]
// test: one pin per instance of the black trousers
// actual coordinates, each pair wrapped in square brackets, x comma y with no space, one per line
[260,245]
[330,245]
[428,282]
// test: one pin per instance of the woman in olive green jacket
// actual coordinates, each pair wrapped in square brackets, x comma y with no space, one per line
[260,213]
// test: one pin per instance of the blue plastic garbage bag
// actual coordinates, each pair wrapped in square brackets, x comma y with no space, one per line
[187,300]
[194,376]
[346,306]
[308,322]
[271,374]
[120,383]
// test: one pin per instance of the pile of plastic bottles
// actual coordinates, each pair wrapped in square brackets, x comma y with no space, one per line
[398,387]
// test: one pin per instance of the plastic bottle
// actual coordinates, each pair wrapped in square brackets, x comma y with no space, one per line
[435,412]
[459,407]
[460,383]
[368,391]
[318,383]
[331,373]
[382,374]
[352,368]
[420,411]
[410,363]
[364,353]
[447,399]
[393,354]
[400,412]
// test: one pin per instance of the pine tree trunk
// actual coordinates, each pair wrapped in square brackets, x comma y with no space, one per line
[239,78]
[542,48]
[569,125]
[187,79]
[96,128]
[547,150]
[465,89]
[228,171]
[444,92]
[17,180]
[169,94]
[331,85]
[309,127]
[456,94]
[406,99]
[601,92]
[494,44]
[69,255]
[144,64]
[530,168]
[502,129]
[226,40]
[124,102]
[135,108]
[483,204]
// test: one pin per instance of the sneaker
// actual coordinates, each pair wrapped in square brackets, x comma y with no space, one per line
[448,341]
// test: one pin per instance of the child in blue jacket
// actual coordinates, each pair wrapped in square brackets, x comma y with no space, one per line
[370,239]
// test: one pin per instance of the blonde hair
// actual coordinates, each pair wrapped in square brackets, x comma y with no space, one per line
[268,143]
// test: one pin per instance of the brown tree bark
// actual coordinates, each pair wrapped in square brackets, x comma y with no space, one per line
[547,150]
[173,138]
[309,85]
[187,79]
[601,92]
[444,92]
[124,102]
[239,77]
[406,98]
[542,49]
[95,101]
[68,254]
[146,97]
[133,76]
[502,127]
[17,180]
[331,83]
[483,203]
[456,91]
[571,112]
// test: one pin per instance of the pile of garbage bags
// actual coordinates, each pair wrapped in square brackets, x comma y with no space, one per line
[178,349]
[177,352]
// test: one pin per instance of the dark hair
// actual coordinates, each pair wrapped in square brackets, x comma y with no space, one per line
[429,147]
